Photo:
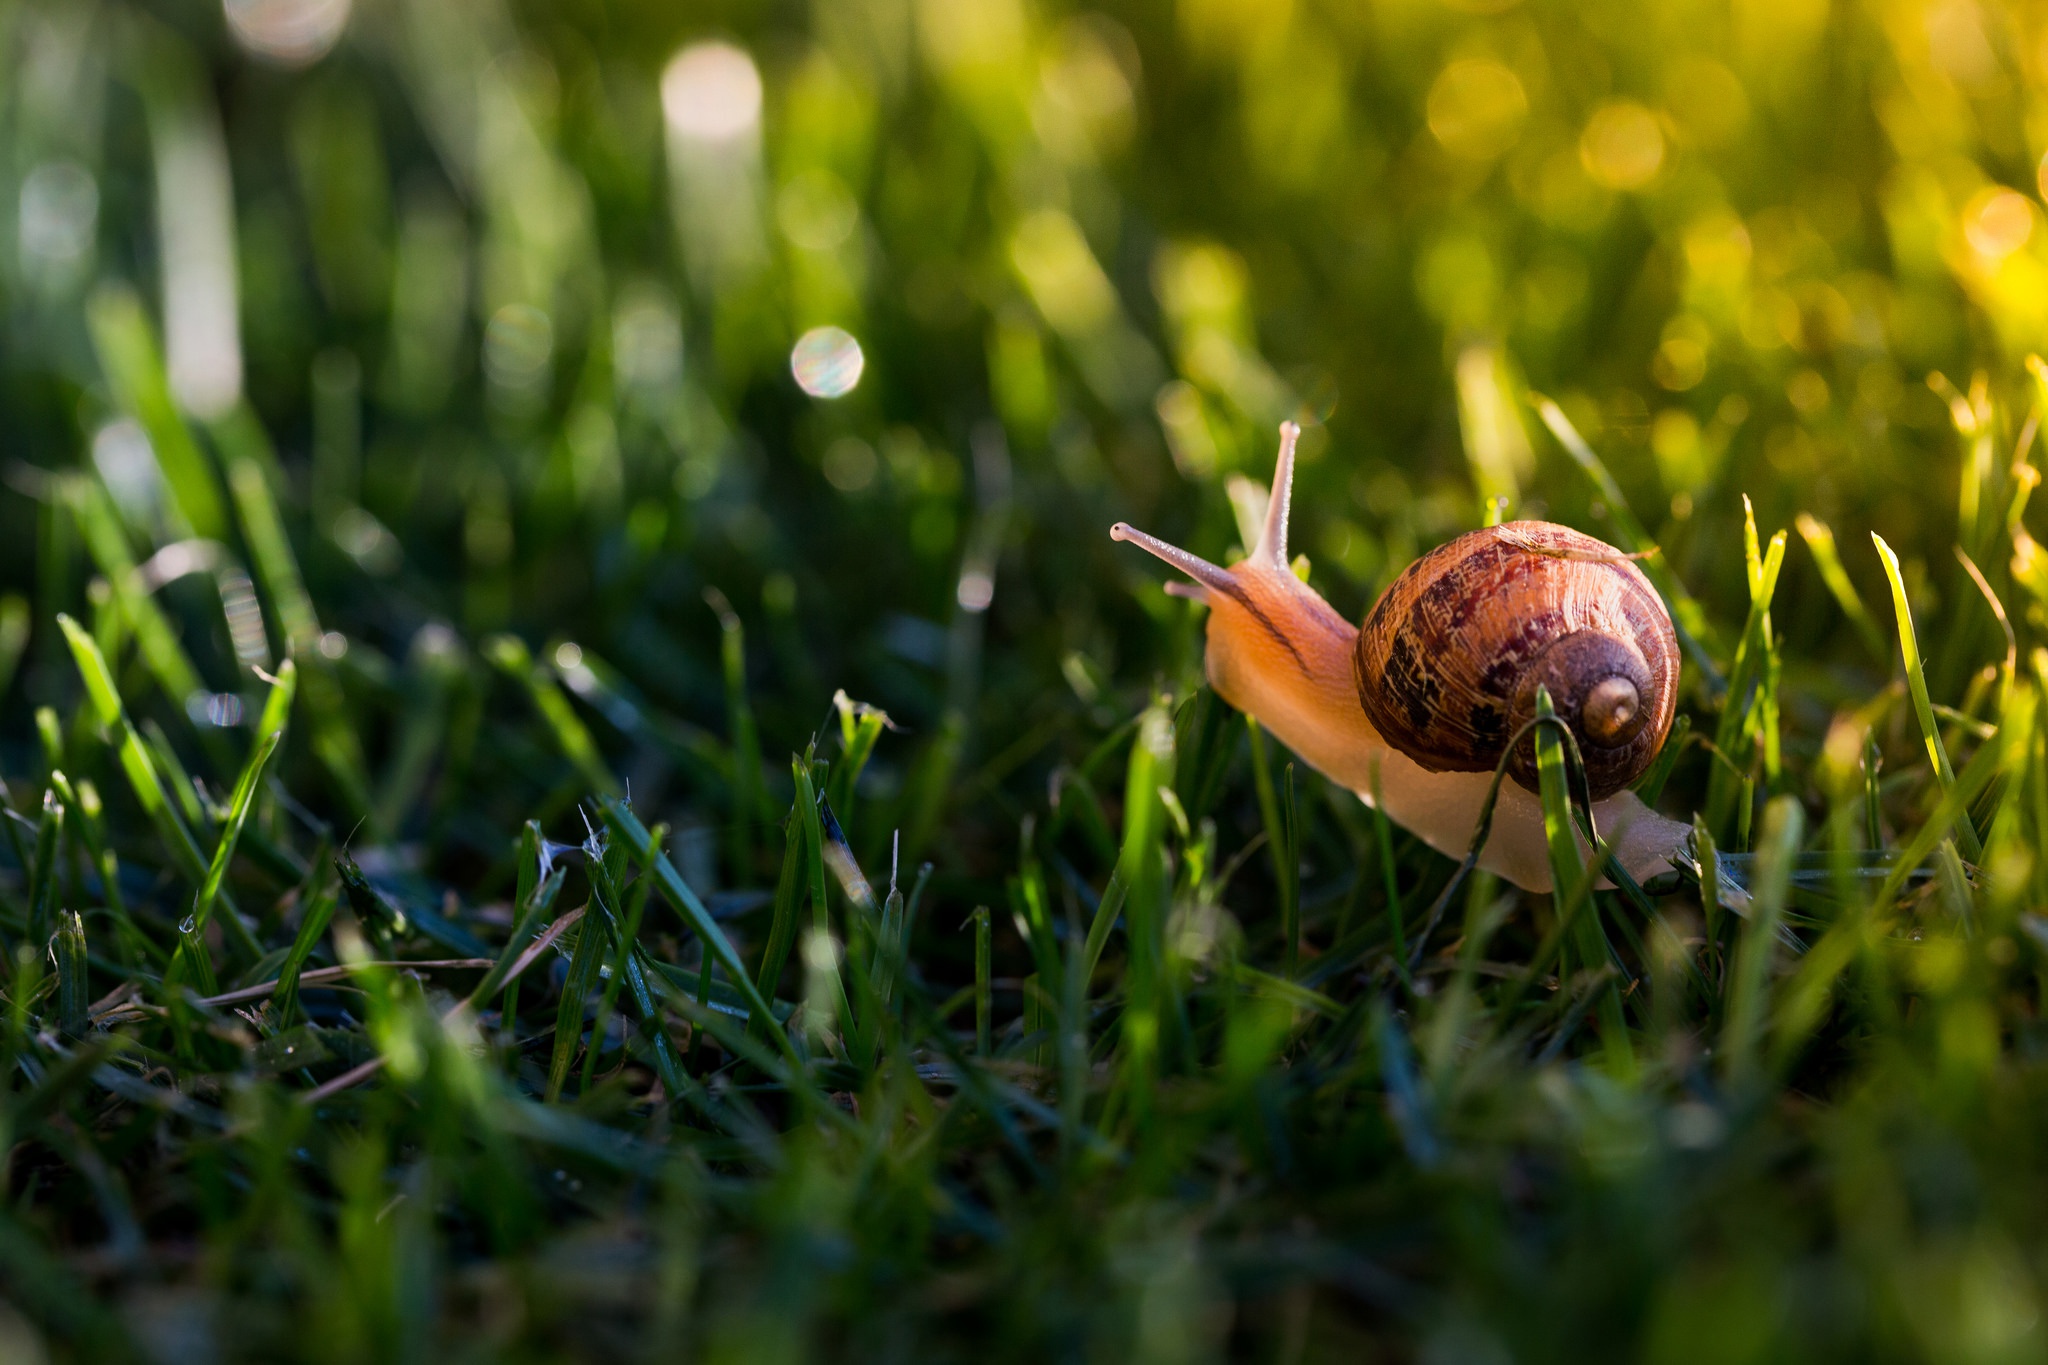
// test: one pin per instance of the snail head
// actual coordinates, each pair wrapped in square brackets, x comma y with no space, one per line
[1276,649]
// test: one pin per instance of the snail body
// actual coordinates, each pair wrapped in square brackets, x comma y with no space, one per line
[1412,711]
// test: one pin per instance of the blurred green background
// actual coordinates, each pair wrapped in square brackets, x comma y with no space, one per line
[515,291]
[707,359]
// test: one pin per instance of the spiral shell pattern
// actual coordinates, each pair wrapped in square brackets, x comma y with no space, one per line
[1450,657]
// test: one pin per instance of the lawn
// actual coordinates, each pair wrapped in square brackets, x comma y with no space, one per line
[583,778]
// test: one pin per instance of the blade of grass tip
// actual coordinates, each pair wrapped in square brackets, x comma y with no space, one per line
[51,735]
[984,986]
[126,348]
[136,763]
[1741,1031]
[750,795]
[42,886]
[277,707]
[1740,701]
[627,827]
[74,991]
[512,656]
[1820,541]
[1923,706]
[1690,620]
[860,728]
[1873,799]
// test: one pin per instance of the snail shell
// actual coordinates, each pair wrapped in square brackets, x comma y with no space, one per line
[1450,657]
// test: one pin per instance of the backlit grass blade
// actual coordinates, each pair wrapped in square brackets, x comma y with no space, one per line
[1923,707]
[107,542]
[1820,540]
[860,726]
[277,569]
[510,653]
[135,760]
[128,356]
[1745,683]
[230,834]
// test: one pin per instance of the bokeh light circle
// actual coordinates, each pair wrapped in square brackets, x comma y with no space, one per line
[1998,222]
[1476,109]
[827,362]
[1623,145]
[711,92]
[288,32]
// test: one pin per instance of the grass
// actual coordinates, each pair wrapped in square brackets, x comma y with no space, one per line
[529,836]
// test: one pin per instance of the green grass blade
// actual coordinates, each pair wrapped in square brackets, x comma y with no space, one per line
[128,356]
[14,632]
[984,978]
[583,965]
[136,763]
[626,827]
[42,886]
[100,526]
[313,921]
[510,654]
[1923,706]
[1820,541]
[782,925]
[1748,999]
[750,796]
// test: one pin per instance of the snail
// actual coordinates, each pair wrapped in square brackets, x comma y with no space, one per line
[1411,710]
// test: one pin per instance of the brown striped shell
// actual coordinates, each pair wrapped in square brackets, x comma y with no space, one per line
[1450,656]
